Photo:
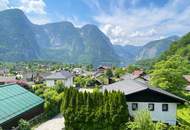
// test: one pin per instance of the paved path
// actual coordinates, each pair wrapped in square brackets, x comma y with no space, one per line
[57,123]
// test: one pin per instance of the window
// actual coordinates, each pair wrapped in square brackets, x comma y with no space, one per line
[164,107]
[151,107]
[134,106]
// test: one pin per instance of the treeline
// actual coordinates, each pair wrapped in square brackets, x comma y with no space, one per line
[93,111]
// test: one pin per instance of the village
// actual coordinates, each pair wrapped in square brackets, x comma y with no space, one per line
[35,95]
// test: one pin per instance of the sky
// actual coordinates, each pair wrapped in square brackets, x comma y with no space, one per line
[133,22]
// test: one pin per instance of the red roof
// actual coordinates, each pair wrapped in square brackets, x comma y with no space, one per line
[20,82]
[137,73]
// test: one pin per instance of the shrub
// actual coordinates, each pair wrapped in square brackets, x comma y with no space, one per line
[93,111]
[24,125]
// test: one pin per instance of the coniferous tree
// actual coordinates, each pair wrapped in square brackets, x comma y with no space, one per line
[92,111]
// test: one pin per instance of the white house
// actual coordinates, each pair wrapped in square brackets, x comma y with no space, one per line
[139,96]
[64,76]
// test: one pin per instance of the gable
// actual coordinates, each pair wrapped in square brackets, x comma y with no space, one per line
[149,95]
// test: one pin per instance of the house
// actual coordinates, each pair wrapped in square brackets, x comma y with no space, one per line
[140,74]
[187,78]
[139,96]
[13,80]
[103,68]
[28,76]
[36,77]
[78,71]
[4,72]
[64,76]
[17,103]
[6,79]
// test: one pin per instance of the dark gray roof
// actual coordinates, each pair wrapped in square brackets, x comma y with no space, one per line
[130,86]
[60,75]
[166,93]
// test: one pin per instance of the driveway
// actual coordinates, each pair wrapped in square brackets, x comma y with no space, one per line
[56,123]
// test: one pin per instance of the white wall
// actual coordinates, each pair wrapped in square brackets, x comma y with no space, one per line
[157,115]
[67,82]
[50,83]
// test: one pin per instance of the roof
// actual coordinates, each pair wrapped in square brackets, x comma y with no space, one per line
[127,86]
[131,86]
[187,77]
[138,73]
[60,75]
[187,88]
[15,100]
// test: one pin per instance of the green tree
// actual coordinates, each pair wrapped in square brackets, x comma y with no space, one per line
[131,68]
[168,74]
[52,102]
[119,72]
[109,73]
[92,111]
[80,81]
[59,86]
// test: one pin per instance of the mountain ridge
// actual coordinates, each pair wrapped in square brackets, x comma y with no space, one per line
[130,53]
[21,40]
[60,41]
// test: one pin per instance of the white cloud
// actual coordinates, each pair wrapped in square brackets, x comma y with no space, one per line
[34,9]
[140,25]
[4,4]
[33,6]
[73,19]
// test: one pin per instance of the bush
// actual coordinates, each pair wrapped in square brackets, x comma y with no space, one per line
[143,121]
[24,125]
[93,111]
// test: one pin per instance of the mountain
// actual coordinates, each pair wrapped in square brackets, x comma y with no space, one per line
[21,40]
[130,54]
[59,41]
[127,53]
[98,48]
[180,47]
[155,48]
[17,39]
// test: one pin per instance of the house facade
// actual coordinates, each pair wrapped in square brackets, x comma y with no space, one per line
[161,104]
[156,111]
[64,76]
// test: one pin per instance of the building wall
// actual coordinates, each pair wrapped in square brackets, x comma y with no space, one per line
[157,115]
[67,82]
[50,83]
